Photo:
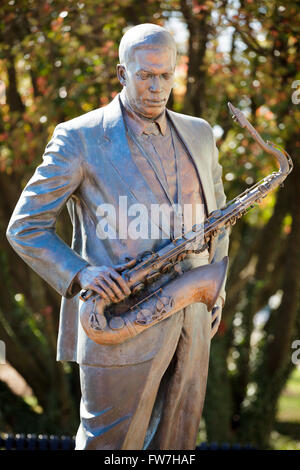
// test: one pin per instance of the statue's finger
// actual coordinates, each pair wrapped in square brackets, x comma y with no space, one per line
[123,266]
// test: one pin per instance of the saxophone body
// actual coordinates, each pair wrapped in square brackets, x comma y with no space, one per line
[159,289]
[106,324]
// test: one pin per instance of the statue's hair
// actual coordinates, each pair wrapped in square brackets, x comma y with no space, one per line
[144,36]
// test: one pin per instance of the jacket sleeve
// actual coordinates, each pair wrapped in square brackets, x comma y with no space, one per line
[222,242]
[32,227]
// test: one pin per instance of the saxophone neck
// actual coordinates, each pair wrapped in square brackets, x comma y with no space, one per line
[282,157]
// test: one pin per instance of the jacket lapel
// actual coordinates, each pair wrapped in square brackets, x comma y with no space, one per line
[193,144]
[116,148]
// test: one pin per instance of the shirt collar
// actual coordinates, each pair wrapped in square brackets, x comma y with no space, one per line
[141,125]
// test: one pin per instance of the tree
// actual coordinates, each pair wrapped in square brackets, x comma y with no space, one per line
[264,250]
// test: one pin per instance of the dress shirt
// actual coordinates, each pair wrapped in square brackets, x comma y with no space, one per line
[156,139]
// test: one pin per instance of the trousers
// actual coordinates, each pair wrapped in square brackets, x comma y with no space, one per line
[156,404]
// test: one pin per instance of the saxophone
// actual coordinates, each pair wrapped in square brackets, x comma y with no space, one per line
[108,323]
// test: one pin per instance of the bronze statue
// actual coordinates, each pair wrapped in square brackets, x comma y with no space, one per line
[105,324]
[147,391]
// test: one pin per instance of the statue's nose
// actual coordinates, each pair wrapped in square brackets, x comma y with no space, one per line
[155,84]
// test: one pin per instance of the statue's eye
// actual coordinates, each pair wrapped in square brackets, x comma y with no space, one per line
[144,75]
[167,76]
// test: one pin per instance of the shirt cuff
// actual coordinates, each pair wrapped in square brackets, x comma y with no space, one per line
[74,286]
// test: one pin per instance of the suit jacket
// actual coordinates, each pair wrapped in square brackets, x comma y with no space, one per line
[87,163]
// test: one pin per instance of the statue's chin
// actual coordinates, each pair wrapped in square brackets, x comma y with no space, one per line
[151,112]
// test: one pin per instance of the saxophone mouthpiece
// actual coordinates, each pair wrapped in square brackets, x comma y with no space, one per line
[237,115]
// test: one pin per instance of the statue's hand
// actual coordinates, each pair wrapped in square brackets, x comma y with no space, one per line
[216,316]
[106,281]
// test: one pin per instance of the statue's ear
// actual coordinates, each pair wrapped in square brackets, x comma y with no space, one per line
[121,74]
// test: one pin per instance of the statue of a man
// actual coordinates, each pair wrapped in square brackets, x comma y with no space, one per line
[148,392]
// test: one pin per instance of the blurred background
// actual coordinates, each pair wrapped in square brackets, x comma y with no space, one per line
[57,61]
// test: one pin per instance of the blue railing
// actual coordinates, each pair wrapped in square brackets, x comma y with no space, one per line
[34,442]
[45,442]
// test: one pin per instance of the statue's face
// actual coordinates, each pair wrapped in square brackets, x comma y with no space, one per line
[148,79]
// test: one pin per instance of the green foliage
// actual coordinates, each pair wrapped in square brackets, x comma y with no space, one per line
[289,403]
[16,415]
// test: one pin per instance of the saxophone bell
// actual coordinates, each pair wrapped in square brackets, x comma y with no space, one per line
[198,285]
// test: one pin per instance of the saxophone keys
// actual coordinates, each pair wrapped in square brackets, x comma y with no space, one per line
[86,295]
[143,316]
[97,322]
[181,257]
[216,214]
[178,269]
[159,307]
[116,323]
[164,304]
[153,277]
[136,288]
[166,268]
